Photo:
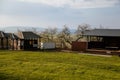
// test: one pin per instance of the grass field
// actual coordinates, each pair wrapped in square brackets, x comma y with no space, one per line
[28,65]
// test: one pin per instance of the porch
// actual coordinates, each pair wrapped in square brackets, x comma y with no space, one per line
[30,44]
[105,43]
[29,40]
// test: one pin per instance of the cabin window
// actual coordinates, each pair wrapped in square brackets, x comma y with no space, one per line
[35,41]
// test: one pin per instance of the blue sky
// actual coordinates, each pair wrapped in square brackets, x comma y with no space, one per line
[56,13]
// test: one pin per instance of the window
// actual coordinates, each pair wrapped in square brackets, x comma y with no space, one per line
[35,41]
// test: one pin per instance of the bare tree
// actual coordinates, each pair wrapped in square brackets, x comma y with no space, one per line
[65,36]
[49,34]
[80,30]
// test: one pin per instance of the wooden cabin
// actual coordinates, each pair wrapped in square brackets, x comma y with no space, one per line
[13,41]
[25,40]
[3,40]
[29,40]
[103,39]
[99,39]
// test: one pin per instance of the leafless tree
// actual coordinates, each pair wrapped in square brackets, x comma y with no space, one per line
[65,36]
[49,34]
[80,30]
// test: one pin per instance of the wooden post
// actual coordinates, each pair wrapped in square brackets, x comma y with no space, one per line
[13,44]
[7,43]
[38,44]
[16,44]
[23,44]
[2,43]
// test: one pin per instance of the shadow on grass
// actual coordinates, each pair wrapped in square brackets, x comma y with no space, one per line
[4,76]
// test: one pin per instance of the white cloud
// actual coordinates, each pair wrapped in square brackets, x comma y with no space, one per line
[76,3]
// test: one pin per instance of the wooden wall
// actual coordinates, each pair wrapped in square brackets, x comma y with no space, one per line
[4,43]
[79,46]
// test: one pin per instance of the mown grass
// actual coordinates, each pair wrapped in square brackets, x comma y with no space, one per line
[28,65]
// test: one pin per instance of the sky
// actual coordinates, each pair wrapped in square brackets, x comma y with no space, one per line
[56,13]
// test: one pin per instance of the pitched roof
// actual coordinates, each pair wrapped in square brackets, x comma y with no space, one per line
[2,34]
[8,35]
[103,32]
[12,36]
[29,35]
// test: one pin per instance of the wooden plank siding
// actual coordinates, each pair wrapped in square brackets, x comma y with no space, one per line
[79,46]
[3,40]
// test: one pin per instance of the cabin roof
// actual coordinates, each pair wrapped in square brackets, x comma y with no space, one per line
[29,35]
[103,32]
[2,34]
[12,36]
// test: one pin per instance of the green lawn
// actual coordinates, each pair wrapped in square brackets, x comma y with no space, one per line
[28,65]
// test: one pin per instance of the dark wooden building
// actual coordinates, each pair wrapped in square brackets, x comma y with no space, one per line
[13,41]
[3,40]
[29,40]
[101,39]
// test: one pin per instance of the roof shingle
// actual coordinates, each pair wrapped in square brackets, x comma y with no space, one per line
[12,36]
[103,32]
[30,35]
[3,35]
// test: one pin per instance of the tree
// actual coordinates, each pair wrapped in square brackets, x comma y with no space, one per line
[65,36]
[49,34]
[80,30]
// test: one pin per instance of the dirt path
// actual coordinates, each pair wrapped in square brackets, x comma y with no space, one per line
[87,53]
[96,55]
